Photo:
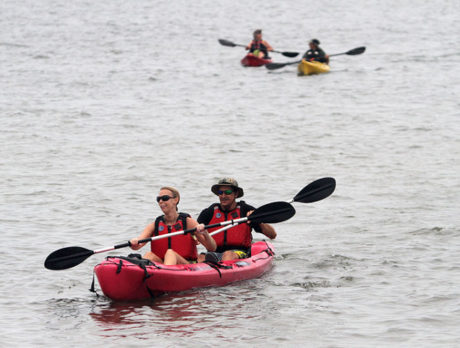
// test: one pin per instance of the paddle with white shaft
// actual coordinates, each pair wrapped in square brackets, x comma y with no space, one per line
[72,256]
[313,192]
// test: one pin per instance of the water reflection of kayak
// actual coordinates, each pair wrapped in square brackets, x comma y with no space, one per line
[121,279]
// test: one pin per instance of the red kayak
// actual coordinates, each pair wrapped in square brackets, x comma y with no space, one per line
[251,60]
[121,279]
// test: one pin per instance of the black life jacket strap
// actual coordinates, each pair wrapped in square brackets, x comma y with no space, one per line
[215,266]
[92,288]
[135,259]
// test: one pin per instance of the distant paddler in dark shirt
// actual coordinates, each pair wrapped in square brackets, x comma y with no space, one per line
[259,47]
[315,53]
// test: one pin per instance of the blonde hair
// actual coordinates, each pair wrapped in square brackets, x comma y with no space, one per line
[174,192]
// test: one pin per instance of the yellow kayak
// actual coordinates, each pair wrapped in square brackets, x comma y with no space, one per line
[309,68]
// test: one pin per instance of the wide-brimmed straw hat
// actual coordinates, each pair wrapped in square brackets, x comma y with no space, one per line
[228,182]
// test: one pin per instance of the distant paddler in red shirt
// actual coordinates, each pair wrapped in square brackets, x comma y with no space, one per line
[259,47]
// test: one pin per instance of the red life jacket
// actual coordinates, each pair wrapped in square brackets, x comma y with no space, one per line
[184,245]
[238,237]
[258,45]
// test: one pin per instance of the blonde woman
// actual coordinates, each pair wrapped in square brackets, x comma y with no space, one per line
[174,250]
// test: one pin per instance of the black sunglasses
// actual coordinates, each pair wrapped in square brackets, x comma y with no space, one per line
[164,198]
[227,192]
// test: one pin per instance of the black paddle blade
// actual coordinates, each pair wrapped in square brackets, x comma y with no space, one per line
[355,51]
[290,54]
[272,213]
[274,66]
[226,43]
[316,191]
[67,257]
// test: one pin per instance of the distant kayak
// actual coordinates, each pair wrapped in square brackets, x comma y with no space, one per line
[124,279]
[309,68]
[250,60]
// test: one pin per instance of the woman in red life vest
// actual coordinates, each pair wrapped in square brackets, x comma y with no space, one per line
[259,47]
[178,249]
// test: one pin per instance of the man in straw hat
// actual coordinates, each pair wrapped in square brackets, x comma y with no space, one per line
[234,243]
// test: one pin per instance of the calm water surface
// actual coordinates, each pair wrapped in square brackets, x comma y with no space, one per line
[102,103]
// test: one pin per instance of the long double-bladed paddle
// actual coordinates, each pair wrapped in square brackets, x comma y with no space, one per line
[72,256]
[231,44]
[353,52]
[313,192]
